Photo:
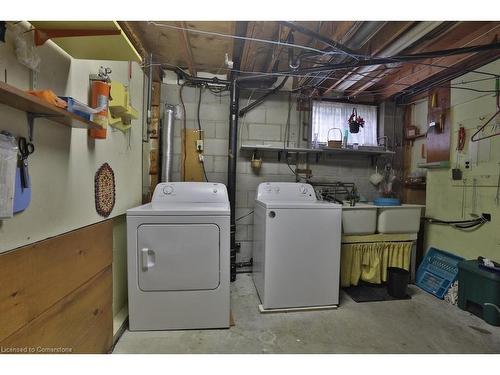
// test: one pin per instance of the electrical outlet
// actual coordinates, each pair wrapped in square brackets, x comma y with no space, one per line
[199,145]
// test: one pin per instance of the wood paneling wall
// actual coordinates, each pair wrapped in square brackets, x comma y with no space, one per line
[438,142]
[56,295]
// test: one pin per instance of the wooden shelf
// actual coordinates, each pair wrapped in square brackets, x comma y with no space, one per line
[19,99]
[79,39]
[342,151]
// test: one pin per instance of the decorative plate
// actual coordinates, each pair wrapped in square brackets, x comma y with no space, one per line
[104,190]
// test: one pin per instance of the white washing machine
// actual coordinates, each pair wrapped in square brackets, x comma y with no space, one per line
[178,258]
[296,247]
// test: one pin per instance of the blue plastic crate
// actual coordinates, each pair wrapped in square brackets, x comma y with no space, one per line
[438,271]
[73,104]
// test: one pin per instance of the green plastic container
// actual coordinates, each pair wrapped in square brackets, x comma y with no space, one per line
[479,291]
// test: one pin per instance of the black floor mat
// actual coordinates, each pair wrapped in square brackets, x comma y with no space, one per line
[366,292]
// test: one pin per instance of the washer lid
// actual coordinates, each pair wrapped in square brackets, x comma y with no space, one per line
[285,191]
[180,209]
[298,205]
[190,192]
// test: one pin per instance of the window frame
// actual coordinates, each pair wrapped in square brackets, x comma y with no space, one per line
[310,131]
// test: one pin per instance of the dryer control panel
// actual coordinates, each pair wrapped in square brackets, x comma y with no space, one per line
[194,192]
[286,191]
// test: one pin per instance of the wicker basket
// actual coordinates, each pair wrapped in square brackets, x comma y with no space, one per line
[333,143]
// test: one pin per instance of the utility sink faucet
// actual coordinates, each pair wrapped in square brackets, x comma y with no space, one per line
[352,196]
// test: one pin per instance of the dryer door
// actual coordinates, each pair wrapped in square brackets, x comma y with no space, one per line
[178,257]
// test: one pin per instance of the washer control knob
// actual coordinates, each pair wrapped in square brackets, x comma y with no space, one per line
[276,189]
[303,189]
[168,190]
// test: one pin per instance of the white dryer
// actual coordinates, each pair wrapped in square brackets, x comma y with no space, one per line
[178,258]
[296,249]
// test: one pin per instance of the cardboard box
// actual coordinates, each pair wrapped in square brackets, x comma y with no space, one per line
[155,112]
[153,182]
[156,93]
[153,162]
[154,143]
[154,128]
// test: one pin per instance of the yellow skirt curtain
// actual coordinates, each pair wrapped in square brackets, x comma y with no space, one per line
[369,261]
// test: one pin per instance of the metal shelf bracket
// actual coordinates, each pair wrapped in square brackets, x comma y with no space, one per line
[31,120]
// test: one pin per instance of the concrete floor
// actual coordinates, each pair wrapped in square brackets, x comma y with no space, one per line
[423,324]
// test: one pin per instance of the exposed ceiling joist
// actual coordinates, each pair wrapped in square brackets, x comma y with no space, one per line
[376,45]
[412,74]
[332,44]
[188,53]
[471,64]
[395,46]
[201,46]
[342,31]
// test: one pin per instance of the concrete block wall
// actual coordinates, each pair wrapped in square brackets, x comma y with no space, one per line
[263,125]
[214,115]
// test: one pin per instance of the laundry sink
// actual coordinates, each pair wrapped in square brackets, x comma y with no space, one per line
[399,219]
[359,219]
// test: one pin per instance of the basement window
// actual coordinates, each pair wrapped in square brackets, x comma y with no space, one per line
[328,115]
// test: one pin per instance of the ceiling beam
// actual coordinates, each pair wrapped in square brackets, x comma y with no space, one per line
[188,53]
[255,52]
[275,53]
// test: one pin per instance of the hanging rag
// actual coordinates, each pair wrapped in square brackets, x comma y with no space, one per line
[369,261]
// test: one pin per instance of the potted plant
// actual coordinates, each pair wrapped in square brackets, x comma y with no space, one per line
[355,121]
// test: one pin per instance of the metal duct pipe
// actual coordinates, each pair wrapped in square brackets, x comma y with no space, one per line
[167,143]
[416,33]
[234,95]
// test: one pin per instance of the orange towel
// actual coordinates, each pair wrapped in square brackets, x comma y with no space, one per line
[50,97]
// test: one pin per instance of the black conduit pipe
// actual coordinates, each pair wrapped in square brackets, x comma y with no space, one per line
[388,60]
[198,80]
[333,44]
[261,99]
[234,97]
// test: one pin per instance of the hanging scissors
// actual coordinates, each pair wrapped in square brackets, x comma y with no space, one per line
[26,149]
